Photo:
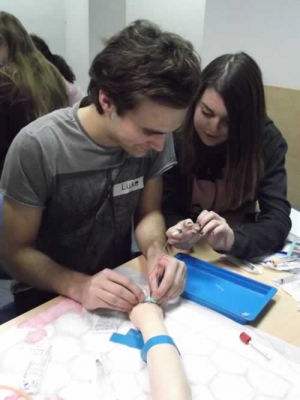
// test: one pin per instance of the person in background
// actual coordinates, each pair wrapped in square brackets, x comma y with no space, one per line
[168,380]
[30,86]
[75,179]
[74,92]
[230,156]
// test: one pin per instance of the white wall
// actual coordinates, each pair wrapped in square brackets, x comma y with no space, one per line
[72,29]
[107,17]
[269,30]
[184,17]
[46,18]
[63,24]
[77,39]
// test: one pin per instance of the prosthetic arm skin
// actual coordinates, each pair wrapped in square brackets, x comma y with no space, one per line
[167,376]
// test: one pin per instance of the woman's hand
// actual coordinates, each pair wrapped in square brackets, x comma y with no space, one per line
[210,227]
[215,231]
[183,235]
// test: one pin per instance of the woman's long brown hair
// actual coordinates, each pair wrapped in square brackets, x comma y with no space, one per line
[238,80]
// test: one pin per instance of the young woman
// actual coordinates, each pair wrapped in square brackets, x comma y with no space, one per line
[230,155]
[30,86]
[166,373]
[74,92]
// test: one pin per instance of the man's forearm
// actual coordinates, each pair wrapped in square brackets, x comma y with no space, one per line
[150,233]
[36,269]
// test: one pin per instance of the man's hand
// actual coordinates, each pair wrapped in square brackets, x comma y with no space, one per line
[112,290]
[166,276]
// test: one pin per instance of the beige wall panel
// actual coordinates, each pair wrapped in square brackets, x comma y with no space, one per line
[283,107]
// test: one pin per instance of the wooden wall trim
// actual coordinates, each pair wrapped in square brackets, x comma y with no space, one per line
[283,107]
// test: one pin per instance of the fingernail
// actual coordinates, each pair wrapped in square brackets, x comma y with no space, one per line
[189,223]
[178,232]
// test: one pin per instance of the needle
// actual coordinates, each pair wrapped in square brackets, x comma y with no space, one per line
[245,338]
[165,248]
[179,231]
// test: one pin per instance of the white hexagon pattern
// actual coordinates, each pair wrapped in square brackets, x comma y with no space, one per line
[217,365]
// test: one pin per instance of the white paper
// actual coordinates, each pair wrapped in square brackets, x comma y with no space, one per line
[136,276]
[218,365]
[295,217]
[293,289]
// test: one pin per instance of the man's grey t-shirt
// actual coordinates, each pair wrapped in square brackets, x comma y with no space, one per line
[89,192]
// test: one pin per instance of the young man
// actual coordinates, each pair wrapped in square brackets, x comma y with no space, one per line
[75,179]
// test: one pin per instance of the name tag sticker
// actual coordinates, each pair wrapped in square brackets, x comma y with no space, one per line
[128,186]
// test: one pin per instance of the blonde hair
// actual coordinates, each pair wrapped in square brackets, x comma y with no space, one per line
[28,75]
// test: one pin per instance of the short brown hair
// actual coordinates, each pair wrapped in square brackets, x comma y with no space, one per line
[142,61]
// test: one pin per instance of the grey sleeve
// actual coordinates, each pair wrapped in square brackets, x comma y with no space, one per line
[164,160]
[25,176]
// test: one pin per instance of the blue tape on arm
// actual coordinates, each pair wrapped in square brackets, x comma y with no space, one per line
[133,339]
[161,339]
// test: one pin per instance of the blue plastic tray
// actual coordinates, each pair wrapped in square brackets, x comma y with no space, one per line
[233,295]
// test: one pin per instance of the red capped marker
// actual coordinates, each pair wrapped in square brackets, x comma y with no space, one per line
[245,338]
